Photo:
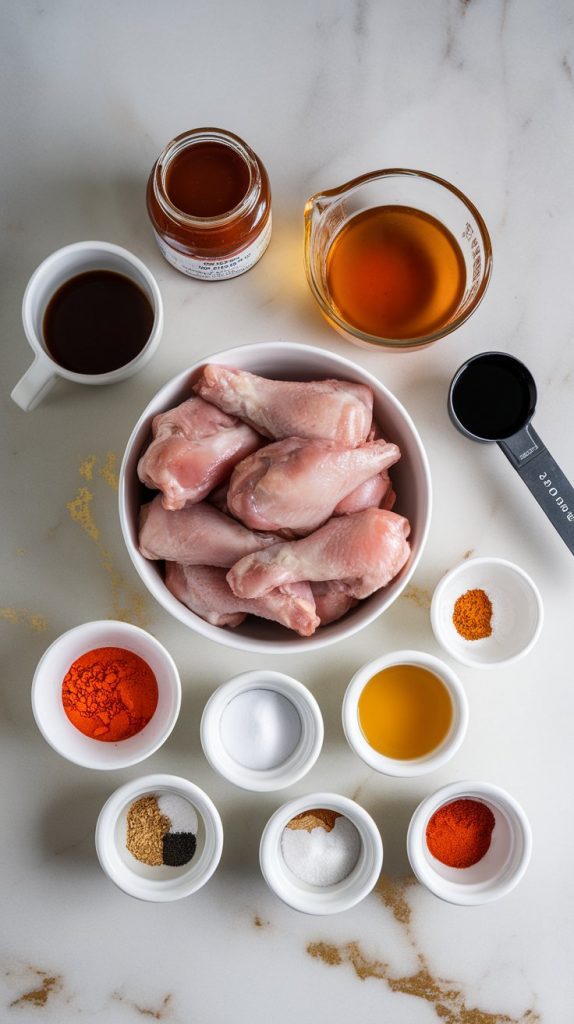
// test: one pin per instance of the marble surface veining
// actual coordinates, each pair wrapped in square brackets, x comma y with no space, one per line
[482,93]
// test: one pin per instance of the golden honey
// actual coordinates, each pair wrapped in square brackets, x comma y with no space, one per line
[405,712]
[395,272]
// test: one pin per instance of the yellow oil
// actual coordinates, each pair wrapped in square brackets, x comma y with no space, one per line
[405,712]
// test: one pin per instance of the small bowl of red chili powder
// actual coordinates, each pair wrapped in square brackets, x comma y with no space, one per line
[106,694]
[469,843]
[487,612]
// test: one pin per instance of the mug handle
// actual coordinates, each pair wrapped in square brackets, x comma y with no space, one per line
[34,385]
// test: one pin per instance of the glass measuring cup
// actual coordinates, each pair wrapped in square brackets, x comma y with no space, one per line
[492,397]
[327,213]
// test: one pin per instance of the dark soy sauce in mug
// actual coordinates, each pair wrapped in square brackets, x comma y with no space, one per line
[96,322]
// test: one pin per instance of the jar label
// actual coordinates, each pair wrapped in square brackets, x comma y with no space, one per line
[217,270]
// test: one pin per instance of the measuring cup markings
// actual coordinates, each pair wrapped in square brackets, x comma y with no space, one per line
[468,235]
[553,493]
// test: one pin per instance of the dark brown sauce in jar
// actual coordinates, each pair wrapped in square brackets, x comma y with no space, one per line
[96,322]
[207,179]
[209,201]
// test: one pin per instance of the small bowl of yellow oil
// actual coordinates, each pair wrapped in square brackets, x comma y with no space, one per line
[405,713]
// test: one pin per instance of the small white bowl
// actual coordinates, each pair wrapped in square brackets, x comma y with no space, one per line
[284,360]
[518,612]
[393,766]
[312,899]
[300,760]
[51,717]
[157,884]
[502,866]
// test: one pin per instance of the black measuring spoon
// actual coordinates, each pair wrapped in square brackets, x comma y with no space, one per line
[492,397]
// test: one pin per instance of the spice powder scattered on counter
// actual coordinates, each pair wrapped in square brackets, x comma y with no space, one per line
[472,615]
[320,846]
[109,694]
[459,834]
[162,829]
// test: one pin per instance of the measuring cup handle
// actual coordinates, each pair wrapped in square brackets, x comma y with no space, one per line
[32,387]
[544,479]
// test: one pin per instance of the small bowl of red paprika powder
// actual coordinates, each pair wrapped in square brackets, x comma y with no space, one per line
[469,843]
[106,694]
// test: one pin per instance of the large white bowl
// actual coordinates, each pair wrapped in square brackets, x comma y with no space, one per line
[411,480]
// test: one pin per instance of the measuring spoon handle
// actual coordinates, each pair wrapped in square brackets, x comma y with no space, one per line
[544,479]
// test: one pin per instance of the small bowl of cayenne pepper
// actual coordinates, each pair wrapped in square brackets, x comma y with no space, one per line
[106,694]
[487,612]
[469,843]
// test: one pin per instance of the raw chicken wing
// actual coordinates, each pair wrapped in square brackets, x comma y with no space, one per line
[363,552]
[195,446]
[334,409]
[205,591]
[197,535]
[331,603]
[374,493]
[295,484]
[367,495]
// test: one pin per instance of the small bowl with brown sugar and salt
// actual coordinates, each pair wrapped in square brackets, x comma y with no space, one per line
[487,612]
[321,854]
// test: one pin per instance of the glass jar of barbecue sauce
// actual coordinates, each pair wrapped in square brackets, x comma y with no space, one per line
[209,200]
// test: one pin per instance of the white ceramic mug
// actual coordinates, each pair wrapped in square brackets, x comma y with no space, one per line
[47,278]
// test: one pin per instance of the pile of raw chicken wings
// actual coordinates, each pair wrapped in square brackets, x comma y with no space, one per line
[274,500]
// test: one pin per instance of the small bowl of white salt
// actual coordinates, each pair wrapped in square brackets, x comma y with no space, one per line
[262,730]
[487,612]
[321,853]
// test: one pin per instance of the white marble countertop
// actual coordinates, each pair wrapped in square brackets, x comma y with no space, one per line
[481,93]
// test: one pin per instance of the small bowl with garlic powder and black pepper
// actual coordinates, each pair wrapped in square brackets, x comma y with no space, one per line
[159,838]
[487,612]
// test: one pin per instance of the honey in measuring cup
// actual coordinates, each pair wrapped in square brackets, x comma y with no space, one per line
[395,272]
[396,258]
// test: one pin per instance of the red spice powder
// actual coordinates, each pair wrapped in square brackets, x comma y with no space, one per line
[459,833]
[109,694]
